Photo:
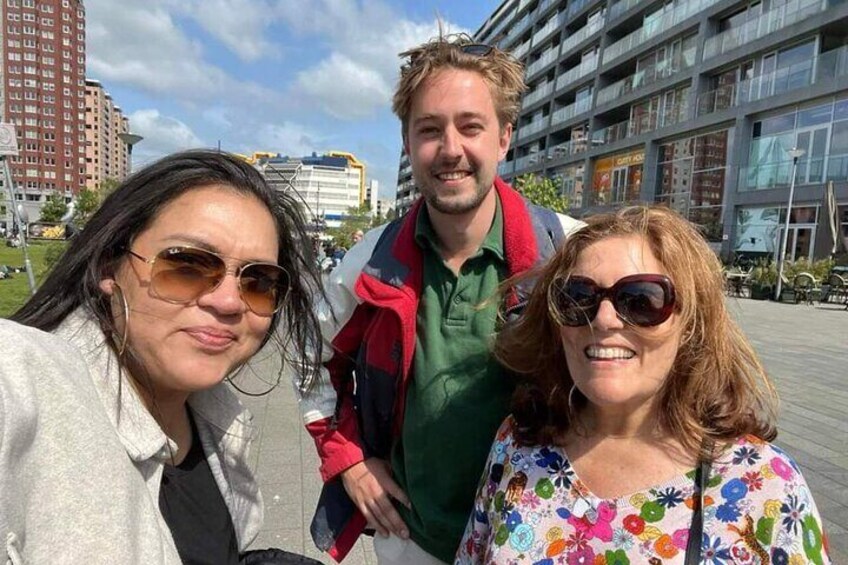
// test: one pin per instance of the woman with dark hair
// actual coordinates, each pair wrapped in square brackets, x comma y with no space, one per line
[640,431]
[119,440]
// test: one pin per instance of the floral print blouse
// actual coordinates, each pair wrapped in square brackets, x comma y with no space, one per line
[533,508]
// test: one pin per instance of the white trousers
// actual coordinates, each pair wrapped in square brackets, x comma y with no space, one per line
[396,551]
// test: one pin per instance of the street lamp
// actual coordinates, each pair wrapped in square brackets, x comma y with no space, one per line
[130,139]
[795,153]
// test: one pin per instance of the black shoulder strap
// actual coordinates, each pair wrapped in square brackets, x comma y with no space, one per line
[696,529]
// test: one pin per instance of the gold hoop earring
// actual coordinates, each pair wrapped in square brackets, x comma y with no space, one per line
[571,409]
[122,343]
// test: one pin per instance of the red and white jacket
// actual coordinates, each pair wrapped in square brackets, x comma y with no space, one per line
[355,408]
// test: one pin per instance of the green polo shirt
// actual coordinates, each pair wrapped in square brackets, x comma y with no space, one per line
[457,396]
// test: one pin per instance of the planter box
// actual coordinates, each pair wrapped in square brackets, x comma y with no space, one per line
[761,292]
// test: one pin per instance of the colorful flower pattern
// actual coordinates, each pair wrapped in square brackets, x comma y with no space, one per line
[532,507]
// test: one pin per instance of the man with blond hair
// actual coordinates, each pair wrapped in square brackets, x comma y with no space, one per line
[404,409]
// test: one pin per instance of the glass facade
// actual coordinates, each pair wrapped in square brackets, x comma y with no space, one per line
[690,178]
[821,131]
[759,231]
[617,179]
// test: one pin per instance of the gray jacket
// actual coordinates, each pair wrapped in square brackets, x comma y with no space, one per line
[81,459]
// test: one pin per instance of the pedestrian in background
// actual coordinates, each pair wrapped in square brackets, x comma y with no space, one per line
[641,431]
[121,442]
[409,396]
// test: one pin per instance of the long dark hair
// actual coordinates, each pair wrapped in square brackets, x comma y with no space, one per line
[131,208]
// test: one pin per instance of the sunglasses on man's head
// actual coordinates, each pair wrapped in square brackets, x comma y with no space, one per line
[478,49]
[639,300]
[181,274]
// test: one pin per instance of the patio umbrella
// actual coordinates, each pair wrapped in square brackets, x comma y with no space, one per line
[832,218]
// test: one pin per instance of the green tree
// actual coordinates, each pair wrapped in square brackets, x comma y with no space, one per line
[542,191]
[87,202]
[54,208]
[356,218]
[106,187]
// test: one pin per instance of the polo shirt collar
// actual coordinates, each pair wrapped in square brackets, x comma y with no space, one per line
[427,238]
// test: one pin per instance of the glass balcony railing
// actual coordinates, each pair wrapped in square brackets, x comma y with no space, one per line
[655,27]
[568,148]
[778,174]
[568,112]
[517,29]
[533,127]
[792,12]
[520,51]
[645,78]
[620,7]
[536,95]
[553,24]
[528,161]
[821,68]
[576,73]
[580,35]
[642,124]
[574,7]
[506,168]
[546,59]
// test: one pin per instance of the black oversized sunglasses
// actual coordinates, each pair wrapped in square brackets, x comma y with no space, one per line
[639,300]
[181,274]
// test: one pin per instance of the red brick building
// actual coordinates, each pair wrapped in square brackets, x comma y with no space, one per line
[43,94]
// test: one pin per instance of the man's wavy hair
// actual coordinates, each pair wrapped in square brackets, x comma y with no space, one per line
[717,389]
[502,72]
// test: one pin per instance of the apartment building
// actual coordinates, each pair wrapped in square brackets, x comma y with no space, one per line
[42,45]
[692,103]
[325,185]
[106,153]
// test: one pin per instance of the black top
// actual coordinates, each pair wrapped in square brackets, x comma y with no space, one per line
[194,510]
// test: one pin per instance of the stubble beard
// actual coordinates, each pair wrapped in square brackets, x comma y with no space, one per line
[449,205]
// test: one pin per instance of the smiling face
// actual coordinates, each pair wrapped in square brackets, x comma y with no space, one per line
[613,364]
[193,346]
[454,140]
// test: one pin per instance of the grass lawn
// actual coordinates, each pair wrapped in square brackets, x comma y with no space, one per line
[14,291]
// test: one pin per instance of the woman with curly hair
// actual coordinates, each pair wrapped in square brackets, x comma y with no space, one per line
[640,432]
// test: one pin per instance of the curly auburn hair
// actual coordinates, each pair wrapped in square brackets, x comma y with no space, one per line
[502,72]
[717,389]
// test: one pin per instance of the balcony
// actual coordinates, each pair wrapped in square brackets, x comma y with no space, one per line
[821,68]
[641,79]
[573,147]
[576,73]
[506,168]
[575,7]
[553,24]
[531,128]
[778,174]
[568,112]
[549,57]
[581,35]
[655,27]
[521,50]
[620,7]
[644,123]
[517,29]
[538,94]
[528,161]
[790,13]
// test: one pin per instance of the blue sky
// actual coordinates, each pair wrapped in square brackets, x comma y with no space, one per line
[288,76]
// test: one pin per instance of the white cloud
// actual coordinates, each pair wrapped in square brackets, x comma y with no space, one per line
[287,138]
[345,88]
[359,74]
[238,24]
[162,135]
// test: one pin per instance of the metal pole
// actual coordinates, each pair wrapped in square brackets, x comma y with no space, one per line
[795,153]
[22,231]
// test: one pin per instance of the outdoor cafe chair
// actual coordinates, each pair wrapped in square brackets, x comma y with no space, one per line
[838,288]
[805,287]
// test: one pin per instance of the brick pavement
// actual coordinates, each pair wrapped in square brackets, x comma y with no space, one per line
[804,348]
